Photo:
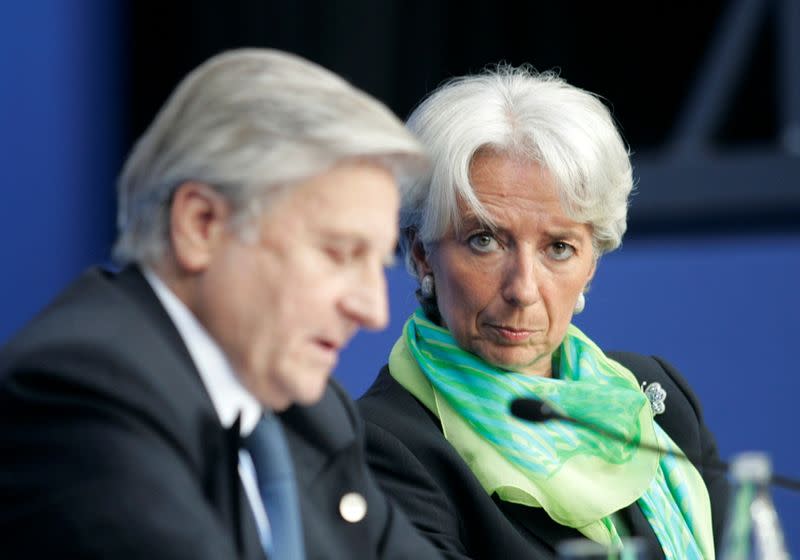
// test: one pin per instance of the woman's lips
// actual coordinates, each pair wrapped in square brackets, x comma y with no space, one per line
[511,334]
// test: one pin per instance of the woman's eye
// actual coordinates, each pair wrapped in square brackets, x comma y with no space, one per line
[561,251]
[483,242]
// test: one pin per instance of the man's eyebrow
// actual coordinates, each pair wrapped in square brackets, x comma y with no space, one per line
[336,235]
[356,241]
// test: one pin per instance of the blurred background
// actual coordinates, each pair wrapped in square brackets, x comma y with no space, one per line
[707,95]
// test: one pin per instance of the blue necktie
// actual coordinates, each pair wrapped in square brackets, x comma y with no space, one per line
[276,483]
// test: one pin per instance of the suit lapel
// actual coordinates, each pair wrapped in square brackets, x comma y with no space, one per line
[218,447]
[316,433]
[146,303]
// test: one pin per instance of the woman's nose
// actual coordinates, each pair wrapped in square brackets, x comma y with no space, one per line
[520,283]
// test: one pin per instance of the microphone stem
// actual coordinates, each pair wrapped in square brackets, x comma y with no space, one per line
[785,482]
[719,465]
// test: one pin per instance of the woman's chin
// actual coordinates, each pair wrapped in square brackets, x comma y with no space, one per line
[520,362]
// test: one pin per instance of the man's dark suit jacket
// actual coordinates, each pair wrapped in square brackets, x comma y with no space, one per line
[415,464]
[111,448]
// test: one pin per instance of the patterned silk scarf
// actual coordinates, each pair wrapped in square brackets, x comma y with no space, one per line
[579,477]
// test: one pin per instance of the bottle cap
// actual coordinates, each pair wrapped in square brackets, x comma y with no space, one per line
[752,466]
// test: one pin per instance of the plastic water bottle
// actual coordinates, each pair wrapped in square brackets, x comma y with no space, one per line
[633,548]
[752,529]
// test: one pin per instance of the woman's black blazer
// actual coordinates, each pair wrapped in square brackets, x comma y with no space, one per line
[425,475]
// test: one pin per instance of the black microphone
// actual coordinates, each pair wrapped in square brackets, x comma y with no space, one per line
[537,411]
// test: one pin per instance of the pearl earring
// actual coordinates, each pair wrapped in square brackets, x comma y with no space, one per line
[427,286]
[580,304]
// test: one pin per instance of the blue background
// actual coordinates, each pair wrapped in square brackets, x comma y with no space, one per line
[722,307]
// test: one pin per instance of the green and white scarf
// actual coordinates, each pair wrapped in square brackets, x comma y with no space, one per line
[580,479]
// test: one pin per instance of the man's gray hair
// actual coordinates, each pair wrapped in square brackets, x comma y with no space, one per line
[247,123]
[520,113]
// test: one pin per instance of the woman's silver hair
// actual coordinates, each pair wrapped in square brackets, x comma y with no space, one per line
[520,113]
[249,123]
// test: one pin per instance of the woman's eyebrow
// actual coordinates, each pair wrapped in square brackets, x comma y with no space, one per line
[572,234]
[470,220]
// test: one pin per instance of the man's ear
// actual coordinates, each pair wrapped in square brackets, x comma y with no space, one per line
[198,220]
[419,254]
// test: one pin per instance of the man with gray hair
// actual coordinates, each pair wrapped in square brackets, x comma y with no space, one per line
[183,407]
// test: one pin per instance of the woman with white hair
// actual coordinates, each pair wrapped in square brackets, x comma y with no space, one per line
[529,188]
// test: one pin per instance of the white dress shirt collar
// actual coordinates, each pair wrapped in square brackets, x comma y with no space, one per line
[229,396]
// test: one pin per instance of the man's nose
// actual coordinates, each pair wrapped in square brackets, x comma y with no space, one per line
[367,303]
